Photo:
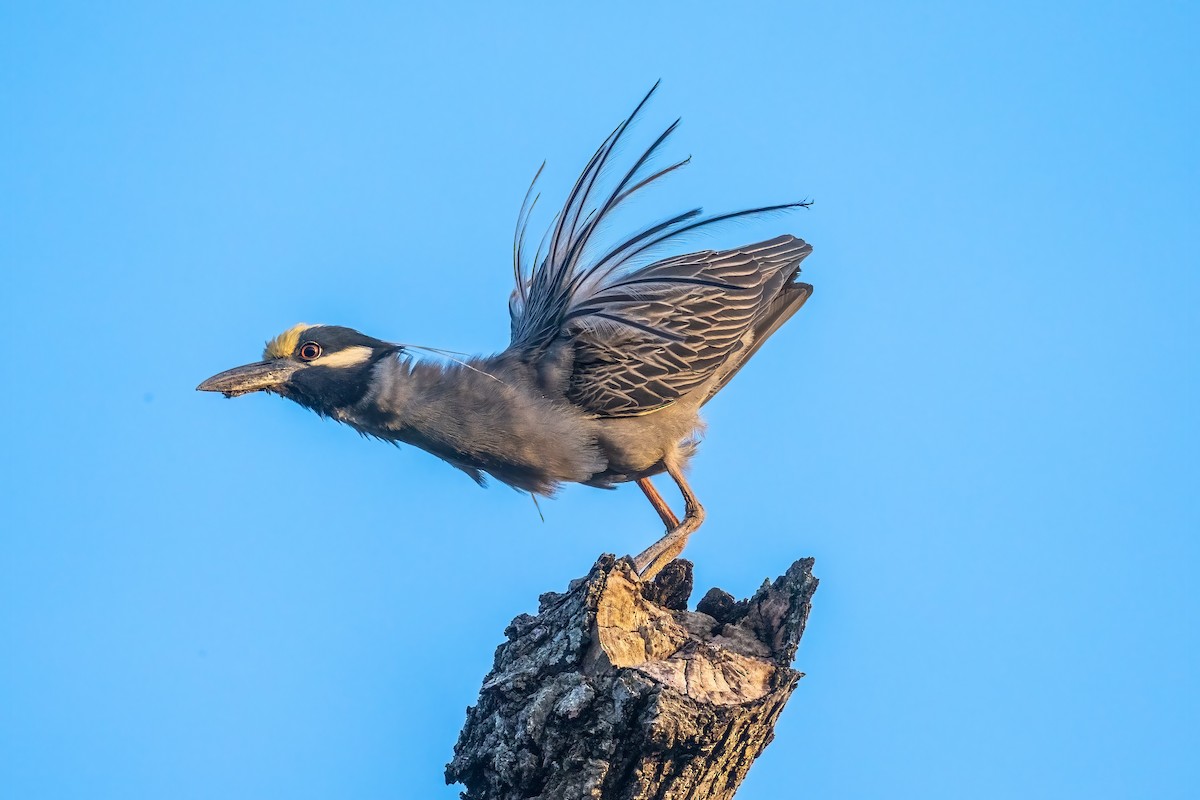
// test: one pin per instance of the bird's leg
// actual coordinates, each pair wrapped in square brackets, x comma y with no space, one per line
[664,551]
[664,511]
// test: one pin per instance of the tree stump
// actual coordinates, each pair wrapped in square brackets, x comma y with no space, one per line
[615,691]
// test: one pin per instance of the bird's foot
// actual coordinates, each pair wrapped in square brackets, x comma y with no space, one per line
[650,561]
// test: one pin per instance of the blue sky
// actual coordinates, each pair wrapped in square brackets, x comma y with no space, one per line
[983,425]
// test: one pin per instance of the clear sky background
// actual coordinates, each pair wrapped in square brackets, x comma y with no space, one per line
[983,425]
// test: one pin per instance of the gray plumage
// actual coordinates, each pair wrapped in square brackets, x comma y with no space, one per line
[609,362]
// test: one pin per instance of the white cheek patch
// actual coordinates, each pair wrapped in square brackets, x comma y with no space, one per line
[350,357]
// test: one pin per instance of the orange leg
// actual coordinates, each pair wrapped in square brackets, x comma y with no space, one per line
[664,511]
[662,552]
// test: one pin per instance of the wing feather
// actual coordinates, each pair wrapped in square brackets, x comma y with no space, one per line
[643,336]
[664,331]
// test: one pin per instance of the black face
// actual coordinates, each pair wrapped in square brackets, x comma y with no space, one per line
[339,363]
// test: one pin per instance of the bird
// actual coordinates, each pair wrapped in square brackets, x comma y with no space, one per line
[614,348]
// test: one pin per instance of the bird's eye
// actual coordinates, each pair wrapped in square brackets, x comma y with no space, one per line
[309,351]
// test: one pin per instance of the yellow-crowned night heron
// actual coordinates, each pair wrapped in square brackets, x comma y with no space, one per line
[611,358]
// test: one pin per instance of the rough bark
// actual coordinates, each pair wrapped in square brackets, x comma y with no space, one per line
[614,691]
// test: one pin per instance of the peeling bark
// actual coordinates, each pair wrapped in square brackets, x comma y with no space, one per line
[615,691]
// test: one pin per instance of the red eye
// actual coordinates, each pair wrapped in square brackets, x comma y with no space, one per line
[309,351]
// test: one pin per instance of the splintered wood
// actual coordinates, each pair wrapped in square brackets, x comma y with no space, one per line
[615,691]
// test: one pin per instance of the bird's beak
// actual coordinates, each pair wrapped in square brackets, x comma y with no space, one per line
[258,377]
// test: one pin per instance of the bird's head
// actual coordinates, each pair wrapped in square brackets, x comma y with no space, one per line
[322,367]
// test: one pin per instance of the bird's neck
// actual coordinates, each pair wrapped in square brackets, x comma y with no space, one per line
[491,416]
[423,402]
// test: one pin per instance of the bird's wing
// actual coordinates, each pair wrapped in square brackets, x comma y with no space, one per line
[572,271]
[651,336]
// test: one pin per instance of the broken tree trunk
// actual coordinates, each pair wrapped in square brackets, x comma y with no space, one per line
[615,691]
